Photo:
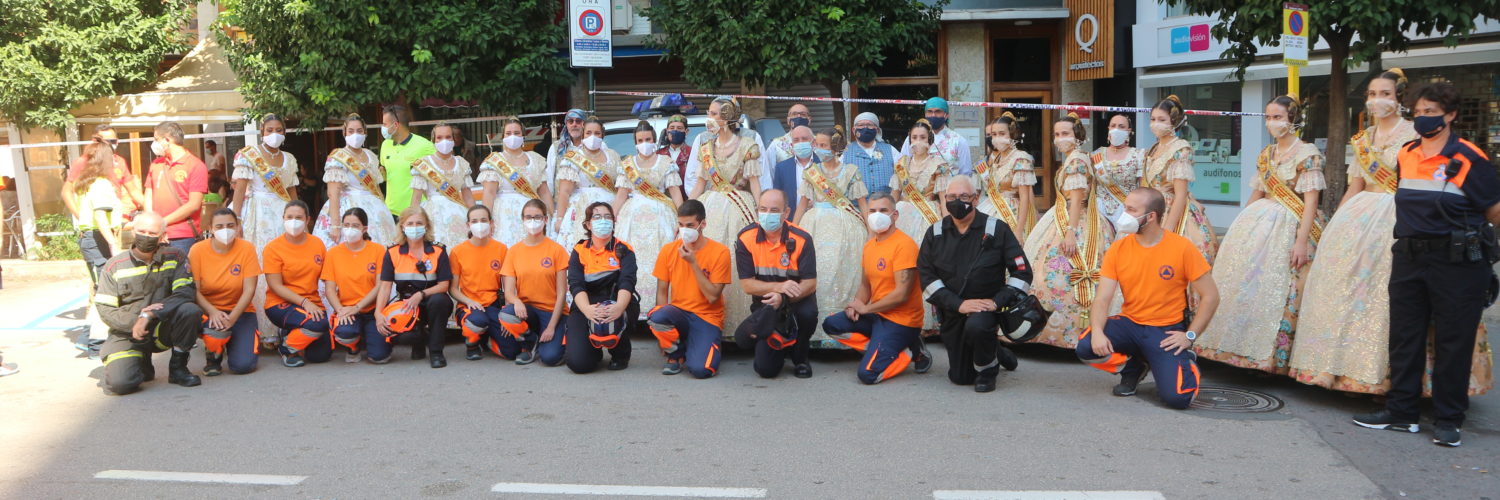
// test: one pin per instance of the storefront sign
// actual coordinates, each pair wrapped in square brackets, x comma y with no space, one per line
[589,42]
[1090,52]
[1294,34]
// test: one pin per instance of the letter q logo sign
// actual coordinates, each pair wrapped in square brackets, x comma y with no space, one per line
[1087,46]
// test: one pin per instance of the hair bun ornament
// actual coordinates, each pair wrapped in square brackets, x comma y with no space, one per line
[1176,100]
[1008,114]
[1073,115]
[1399,72]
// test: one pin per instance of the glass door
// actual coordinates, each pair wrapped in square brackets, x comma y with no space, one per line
[1036,137]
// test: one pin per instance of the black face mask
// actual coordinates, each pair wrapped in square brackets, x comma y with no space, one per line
[960,209]
[146,244]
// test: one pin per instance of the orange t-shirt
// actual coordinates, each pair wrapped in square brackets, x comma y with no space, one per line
[713,260]
[478,269]
[354,272]
[535,269]
[299,267]
[882,259]
[221,277]
[1154,280]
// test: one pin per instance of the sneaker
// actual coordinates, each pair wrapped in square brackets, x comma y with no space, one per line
[1384,420]
[671,368]
[923,361]
[525,358]
[213,366]
[354,356]
[1447,435]
[292,359]
[474,352]
[616,364]
[1128,383]
[8,369]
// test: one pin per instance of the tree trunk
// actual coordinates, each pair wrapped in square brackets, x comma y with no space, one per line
[1338,120]
[836,89]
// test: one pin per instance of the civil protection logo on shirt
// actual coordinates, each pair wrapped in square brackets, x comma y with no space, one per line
[1440,174]
[880,264]
[1166,272]
[494,265]
[234,270]
[180,175]
[370,268]
[786,259]
[318,259]
[613,262]
[547,262]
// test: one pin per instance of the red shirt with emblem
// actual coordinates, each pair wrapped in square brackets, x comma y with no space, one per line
[172,180]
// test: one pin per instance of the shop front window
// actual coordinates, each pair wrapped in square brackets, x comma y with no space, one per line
[1215,140]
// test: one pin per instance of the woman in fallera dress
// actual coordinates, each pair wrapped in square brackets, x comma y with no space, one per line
[1169,169]
[585,175]
[265,179]
[728,184]
[1344,329]
[1264,258]
[1007,176]
[511,177]
[921,177]
[353,175]
[1069,241]
[648,193]
[833,197]
[441,185]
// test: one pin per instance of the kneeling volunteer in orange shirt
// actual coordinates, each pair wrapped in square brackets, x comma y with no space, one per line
[293,263]
[225,269]
[689,317]
[535,277]
[1153,269]
[885,318]
[476,266]
[349,279]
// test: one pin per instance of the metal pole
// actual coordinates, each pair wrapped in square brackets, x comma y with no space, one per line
[591,90]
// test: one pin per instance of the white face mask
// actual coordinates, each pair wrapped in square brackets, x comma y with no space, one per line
[158,148]
[646,148]
[1381,107]
[1000,143]
[273,140]
[225,236]
[533,226]
[1065,144]
[513,141]
[1161,129]
[878,221]
[1127,224]
[444,146]
[593,142]
[352,234]
[294,226]
[918,146]
[355,140]
[1119,137]
[1277,128]
[688,235]
[479,229]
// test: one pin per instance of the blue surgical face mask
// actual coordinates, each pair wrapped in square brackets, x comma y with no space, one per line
[866,134]
[938,122]
[604,227]
[770,221]
[823,154]
[803,150]
[386,132]
[1429,126]
[676,137]
[798,121]
[414,232]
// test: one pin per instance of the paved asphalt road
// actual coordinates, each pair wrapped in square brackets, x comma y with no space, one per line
[404,430]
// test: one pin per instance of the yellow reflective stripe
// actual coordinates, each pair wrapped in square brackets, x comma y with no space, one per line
[171,264]
[109,300]
[132,353]
[134,271]
[181,282]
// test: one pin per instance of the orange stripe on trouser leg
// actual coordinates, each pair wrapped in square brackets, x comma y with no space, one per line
[298,339]
[708,361]
[214,344]
[855,341]
[1112,363]
[777,342]
[1194,388]
[667,337]
[471,335]
[514,326]
[897,366]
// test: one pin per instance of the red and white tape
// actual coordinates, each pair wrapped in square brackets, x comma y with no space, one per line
[981,104]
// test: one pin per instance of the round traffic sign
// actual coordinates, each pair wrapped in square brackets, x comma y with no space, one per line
[591,22]
[1295,23]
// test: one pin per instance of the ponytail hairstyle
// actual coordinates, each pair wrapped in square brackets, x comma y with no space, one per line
[1294,111]
[535,203]
[1173,106]
[364,219]
[487,214]
[1078,131]
[99,162]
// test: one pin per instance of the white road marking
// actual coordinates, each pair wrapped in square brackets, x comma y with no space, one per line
[201,477]
[1045,495]
[620,490]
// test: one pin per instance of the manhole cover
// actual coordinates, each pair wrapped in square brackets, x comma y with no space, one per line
[1229,399]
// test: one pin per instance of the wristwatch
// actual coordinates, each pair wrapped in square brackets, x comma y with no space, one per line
[1192,335]
[145,315]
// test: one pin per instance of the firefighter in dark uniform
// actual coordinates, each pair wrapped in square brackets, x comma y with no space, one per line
[1441,274]
[972,268]
[146,297]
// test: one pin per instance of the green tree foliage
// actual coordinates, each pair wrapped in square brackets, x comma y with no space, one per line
[322,58]
[1356,31]
[58,54]
[780,43]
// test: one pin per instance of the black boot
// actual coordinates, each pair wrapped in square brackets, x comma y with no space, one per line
[178,373]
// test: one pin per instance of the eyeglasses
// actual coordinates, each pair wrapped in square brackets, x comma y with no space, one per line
[603,217]
[533,217]
[966,198]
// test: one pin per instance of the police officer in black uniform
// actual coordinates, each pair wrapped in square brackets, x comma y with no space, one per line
[1441,270]
[972,269]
